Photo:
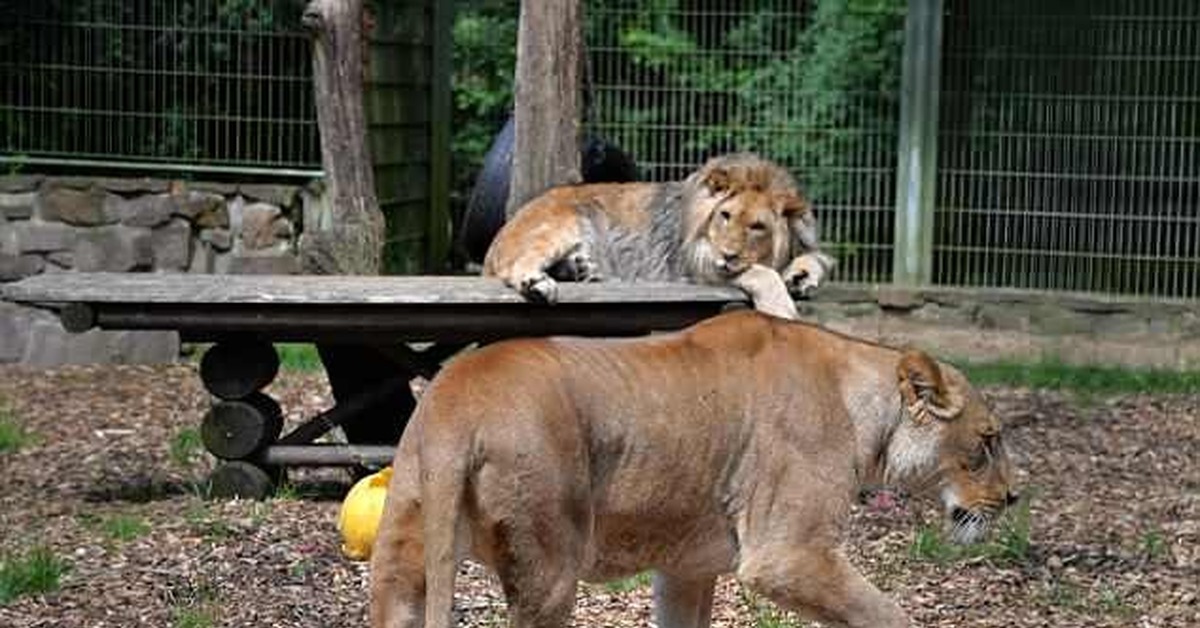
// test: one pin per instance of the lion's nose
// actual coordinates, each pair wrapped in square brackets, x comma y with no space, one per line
[729,257]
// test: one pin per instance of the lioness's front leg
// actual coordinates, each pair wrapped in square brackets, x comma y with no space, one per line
[767,291]
[806,273]
[682,602]
[819,582]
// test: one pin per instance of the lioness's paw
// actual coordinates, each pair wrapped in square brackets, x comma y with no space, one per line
[540,288]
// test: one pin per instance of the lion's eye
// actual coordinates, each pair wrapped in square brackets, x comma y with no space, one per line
[725,215]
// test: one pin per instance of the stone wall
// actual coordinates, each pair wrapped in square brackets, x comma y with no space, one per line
[1000,324]
[65,224]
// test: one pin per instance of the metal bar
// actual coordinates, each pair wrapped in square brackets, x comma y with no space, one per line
[438,229]
[168,166]
[313,428]
[326,455]
[916,175]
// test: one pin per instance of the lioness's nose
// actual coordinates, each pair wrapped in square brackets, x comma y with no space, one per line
[730,257]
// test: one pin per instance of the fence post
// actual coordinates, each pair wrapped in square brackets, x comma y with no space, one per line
[920,83]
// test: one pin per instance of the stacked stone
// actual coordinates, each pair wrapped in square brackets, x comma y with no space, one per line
[64,224]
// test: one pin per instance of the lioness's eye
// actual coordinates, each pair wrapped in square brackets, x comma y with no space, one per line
[725,215]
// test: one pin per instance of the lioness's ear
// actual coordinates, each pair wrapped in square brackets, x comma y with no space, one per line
[924,390]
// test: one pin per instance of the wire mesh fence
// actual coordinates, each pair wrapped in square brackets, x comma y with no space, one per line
[677,81]
[193,82]
[1069,148]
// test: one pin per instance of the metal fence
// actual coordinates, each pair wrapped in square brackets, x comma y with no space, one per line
[189,84]
[1068,133]
[675,82]
[1069,149]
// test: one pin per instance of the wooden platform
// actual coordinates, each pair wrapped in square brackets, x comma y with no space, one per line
[315,308]
[363,327]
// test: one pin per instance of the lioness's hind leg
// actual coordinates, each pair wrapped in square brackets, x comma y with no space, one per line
[820,583]
[398,568]
[682,603]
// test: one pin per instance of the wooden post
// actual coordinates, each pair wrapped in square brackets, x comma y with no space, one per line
[916,177]
[548,99]
[348,236]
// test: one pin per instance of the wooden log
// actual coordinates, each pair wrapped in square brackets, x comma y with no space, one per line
[236,429]
[548,99]
[243,480]
[237,367]
[77,317]
[348,240]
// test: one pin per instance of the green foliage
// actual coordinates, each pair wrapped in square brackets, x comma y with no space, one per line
[13,435]
[766,614]
[124,527]
[36,571]
[193,617]
[1054,374]
[485,57]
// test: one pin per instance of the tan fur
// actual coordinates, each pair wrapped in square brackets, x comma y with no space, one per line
[735,213]
[736,445]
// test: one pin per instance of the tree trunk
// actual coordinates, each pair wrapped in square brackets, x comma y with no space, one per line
[547,101]
[347,238]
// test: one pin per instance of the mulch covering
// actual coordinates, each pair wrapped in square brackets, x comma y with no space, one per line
[1115,520]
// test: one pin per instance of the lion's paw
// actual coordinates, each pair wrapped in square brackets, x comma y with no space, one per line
[801,285]
[540,288]
[583,267]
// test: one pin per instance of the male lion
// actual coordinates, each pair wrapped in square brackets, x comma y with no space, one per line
[735,445]
[738,220]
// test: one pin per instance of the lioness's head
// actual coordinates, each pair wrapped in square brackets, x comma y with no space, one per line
[744,210]
[949,438]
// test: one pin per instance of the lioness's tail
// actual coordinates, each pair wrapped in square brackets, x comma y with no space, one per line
[445,460]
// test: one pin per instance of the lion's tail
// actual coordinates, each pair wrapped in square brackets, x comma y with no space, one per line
[445,462]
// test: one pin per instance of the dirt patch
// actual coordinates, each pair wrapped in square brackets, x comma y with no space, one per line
[1114,537]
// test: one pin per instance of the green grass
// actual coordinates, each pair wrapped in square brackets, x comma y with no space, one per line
[298,357]
[12,434]
[193,617]
[1152,545]
[124,527]
[1055,375]
[35,571]
[1008,542]
[186,447]
[768,615]
[632,583]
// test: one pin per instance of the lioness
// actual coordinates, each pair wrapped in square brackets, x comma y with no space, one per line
[738,220]
[735,445]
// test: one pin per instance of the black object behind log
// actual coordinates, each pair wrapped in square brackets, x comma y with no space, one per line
[600,161]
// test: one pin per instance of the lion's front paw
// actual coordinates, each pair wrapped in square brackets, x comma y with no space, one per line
[583,267]
[540,288]
[804,276]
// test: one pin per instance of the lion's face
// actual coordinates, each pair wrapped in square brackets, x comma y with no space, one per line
[951,440]
[744,211]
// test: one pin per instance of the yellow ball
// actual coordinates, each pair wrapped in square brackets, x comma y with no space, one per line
[358,520]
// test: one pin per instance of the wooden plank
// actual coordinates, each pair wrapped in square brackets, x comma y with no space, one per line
[149,288]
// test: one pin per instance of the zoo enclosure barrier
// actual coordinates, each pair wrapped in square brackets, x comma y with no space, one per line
[1023,144]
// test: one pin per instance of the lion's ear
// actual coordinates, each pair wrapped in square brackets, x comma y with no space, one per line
[924,389]
[794,206]
[717,181]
